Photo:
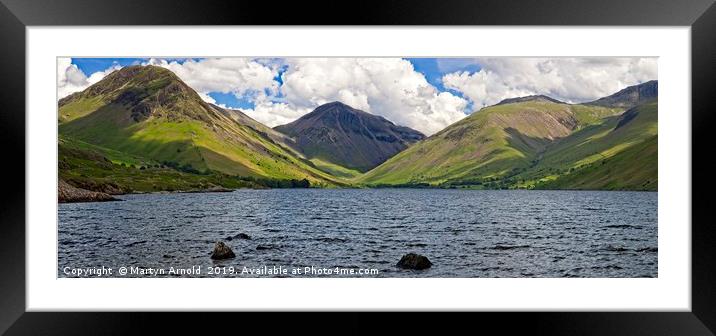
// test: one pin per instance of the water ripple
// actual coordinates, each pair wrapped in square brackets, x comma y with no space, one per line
[465,233]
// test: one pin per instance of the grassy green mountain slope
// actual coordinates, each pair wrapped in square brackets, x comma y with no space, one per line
[100,169]
[148,112]
[490,144]
[620,153]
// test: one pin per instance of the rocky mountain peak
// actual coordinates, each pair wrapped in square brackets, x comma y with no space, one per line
[143,89]
[630,96]
[343,135]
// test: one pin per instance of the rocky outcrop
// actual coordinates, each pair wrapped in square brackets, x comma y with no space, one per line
[67,193]
[414,261]
[222,251]
[218,189]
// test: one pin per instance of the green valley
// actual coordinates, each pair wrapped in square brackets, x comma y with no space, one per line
[141,129]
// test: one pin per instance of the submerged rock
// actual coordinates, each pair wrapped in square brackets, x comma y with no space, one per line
[67,193]
[265,247]
[238,236]
[414,261]
[222,251]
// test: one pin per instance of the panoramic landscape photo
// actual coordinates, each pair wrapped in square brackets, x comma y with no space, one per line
[358,167]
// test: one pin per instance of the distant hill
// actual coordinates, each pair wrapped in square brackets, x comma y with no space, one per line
[148,112]
[535,142]
[630,96]
[338,134]
[542,98]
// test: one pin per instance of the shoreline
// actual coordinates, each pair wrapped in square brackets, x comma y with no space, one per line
[228,190]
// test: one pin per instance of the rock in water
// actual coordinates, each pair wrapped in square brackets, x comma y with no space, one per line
[238,236]
[67,193]
[414,261]
[242,236]
[222,251]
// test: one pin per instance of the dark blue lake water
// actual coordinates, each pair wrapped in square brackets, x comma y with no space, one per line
[464,233]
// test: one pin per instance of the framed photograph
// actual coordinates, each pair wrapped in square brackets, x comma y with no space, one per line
[534,161]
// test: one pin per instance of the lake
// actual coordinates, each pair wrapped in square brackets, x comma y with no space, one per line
[464,233]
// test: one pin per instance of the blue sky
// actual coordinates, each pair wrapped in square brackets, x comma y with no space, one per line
[229,99]
[432,68]
[92,65]
[435,68]
[426,94]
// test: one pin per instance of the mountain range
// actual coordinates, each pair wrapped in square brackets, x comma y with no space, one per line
[534,144]
[142,129]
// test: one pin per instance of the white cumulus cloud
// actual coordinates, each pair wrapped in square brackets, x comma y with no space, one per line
[273,113]
[389,87]
[240,76]
[571,80]
[71,79]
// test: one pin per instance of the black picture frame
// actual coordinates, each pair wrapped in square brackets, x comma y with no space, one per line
[700,15]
